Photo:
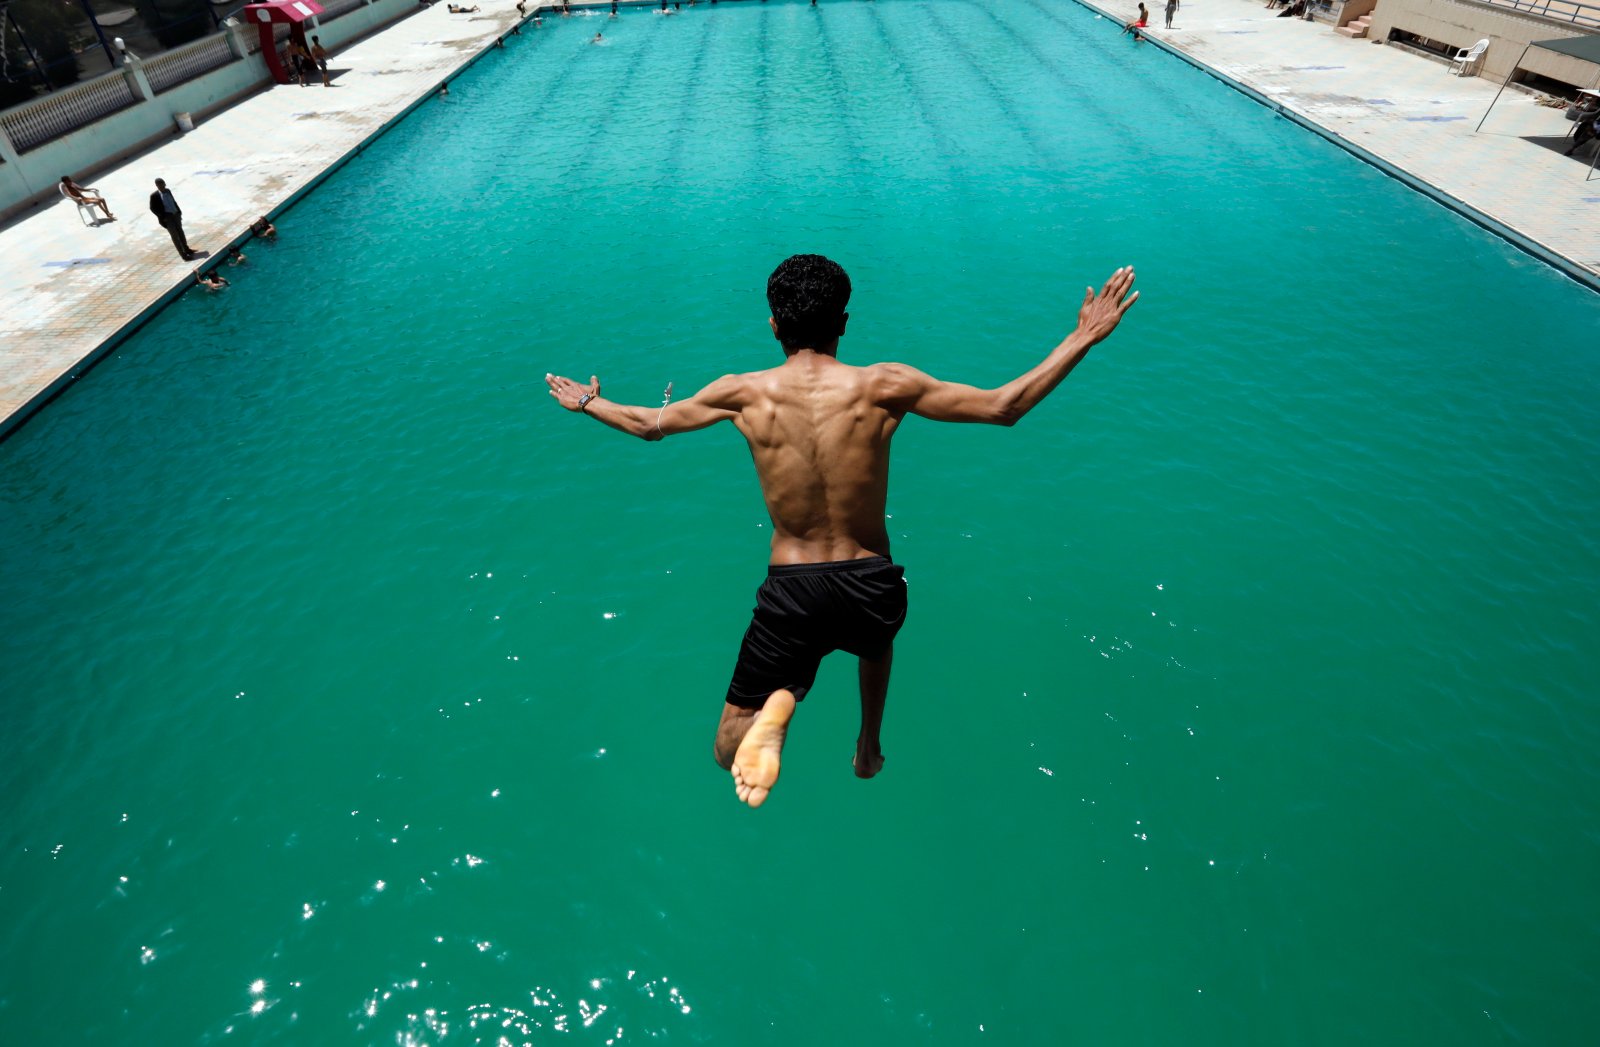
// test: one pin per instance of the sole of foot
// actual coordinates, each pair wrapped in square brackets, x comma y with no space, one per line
[758,759]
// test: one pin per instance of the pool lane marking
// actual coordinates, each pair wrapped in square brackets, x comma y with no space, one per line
[763,91]
[853,131]
[673,162]
[1001,99]
[1219,131]
[945,144]
[584,154]
[1073,90]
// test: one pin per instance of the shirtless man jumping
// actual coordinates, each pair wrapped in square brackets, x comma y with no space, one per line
[819,433]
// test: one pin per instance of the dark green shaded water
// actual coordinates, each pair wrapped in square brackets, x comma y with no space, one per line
[352,693]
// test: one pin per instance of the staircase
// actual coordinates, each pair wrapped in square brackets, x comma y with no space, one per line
[1357,28]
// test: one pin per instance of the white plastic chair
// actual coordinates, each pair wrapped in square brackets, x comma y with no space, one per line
[1467,55]
[88,213]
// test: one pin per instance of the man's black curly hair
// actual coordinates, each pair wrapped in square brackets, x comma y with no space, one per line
[808,294]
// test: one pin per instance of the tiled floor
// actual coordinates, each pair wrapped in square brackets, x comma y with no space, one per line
[247,160]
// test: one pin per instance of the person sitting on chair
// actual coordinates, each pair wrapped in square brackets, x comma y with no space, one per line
[79,195]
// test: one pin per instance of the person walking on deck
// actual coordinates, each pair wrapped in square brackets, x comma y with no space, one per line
[819,433]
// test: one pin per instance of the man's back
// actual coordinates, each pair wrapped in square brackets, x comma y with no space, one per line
[820,442]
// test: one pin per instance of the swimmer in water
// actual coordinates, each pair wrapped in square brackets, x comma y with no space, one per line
[819,433]
[597,39]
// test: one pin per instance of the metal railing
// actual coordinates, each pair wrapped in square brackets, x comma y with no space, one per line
[182,64]
[34,123]
[1556,10]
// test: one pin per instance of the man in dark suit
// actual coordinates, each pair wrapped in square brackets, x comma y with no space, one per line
[170,215]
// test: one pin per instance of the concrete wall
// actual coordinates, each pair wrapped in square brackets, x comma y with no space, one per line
[30,178]
[1462,23]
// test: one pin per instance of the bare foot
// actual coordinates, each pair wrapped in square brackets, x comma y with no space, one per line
[755,764]
[867,765]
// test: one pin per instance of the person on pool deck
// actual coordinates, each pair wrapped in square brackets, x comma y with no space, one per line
[165,207]
[78,194]
[1139,22]
[819,433]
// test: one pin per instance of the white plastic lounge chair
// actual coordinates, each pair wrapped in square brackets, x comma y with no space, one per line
[87,212]
[1468,55]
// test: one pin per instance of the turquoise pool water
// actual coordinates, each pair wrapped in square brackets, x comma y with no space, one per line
[353,693]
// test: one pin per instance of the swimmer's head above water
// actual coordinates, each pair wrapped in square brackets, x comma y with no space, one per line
[808,294]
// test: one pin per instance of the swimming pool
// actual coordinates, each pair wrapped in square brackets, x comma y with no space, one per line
[354,693]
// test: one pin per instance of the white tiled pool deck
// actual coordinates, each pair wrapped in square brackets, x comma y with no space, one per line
[69,291]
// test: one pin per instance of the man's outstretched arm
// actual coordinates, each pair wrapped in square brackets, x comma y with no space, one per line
[917,393]
[715,403]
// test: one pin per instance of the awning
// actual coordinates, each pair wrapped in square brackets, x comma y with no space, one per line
[1584,47]
[280,12]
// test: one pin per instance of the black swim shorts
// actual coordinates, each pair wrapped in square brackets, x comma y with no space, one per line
[805,611]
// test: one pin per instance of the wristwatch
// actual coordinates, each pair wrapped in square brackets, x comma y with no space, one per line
[583,402]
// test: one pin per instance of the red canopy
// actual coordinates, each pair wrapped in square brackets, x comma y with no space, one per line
[280,11]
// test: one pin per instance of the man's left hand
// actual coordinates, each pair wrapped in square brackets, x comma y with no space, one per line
[568,393]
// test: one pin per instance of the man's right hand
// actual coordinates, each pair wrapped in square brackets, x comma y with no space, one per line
[1100,313]
[568,393]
